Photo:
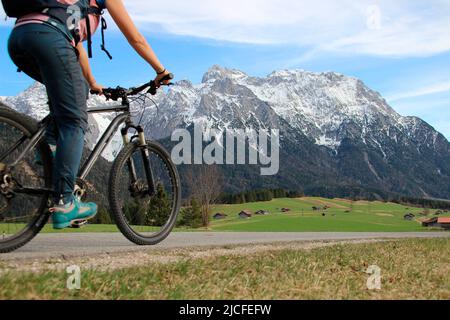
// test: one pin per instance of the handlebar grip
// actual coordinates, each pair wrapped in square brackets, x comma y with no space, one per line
[154,88]
[170,76]
[94,92]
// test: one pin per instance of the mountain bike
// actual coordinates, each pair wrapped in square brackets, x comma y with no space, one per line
[144,186]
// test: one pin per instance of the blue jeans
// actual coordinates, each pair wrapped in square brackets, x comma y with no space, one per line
[47,56]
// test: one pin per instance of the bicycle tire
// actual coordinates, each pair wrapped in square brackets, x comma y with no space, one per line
[28,126]
[118,216]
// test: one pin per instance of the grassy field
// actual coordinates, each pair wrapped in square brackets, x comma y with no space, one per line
[342,215]
[410,269]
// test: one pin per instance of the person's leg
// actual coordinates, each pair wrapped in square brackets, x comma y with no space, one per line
[28,65]
[67,159]
[67,90]
[51,134]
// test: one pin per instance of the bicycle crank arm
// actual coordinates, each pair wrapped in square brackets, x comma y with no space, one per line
[32,191]
[77,224]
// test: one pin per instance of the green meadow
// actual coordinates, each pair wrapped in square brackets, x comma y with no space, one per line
[341,215]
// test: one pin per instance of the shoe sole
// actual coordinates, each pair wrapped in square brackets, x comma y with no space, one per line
[60,226]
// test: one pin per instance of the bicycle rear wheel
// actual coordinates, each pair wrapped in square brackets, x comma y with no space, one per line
[143,216]
[22,214]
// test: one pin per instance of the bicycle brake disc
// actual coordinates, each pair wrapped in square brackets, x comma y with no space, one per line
[138,189]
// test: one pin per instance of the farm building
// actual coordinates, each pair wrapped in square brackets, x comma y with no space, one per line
[262,213]
[443,223]
[219,216]
[245,214]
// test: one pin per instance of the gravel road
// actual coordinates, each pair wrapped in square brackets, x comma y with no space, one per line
[72,245]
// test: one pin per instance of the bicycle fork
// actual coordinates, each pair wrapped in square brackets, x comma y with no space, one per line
[145,160]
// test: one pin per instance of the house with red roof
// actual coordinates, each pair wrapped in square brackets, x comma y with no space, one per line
[443,223]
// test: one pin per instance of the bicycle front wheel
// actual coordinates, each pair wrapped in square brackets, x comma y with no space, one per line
[145,193]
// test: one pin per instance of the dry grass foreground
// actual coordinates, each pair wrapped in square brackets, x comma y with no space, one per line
[410,269]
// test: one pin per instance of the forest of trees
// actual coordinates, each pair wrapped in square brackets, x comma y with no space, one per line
[191,216]
[423,203]
[269,194]
[258,196]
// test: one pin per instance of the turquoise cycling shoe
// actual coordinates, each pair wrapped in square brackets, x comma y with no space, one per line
[63,216]
[38,158]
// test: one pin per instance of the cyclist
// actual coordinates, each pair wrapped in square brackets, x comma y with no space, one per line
[45,49]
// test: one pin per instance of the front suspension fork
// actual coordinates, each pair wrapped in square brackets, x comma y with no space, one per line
[145,158]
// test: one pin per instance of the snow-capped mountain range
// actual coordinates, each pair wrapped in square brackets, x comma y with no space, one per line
[335,130]
[320,105]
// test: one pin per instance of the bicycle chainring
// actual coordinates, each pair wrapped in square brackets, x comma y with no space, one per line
[80,191]
[6,193]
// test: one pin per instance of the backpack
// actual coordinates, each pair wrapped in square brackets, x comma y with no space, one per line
[60,12]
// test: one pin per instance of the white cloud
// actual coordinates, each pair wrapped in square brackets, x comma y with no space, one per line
[420,92]
[375,27]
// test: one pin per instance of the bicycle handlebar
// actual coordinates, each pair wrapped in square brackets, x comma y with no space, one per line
[122,93]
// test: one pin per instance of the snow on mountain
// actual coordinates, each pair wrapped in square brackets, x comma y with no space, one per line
[326,107]
[368,143]
[323,106]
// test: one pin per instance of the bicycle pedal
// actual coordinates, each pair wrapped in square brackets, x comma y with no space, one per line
[78,224]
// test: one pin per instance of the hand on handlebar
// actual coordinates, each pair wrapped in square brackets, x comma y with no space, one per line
[123,93]
[163,79]
[97,89]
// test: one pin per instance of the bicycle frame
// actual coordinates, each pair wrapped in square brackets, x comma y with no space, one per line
[107,135]
[123,118]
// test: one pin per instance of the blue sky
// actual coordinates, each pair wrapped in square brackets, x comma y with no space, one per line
[400,48]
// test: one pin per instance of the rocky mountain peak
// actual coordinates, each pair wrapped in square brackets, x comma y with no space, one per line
[217,72]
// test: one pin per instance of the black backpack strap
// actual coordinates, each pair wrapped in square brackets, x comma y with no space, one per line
[94,11]
[104,27]
[89,35]
[98,12]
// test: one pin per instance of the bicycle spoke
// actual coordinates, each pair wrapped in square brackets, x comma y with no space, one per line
[15,218]
[12,148]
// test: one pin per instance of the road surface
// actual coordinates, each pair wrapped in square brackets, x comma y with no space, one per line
[69,245]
